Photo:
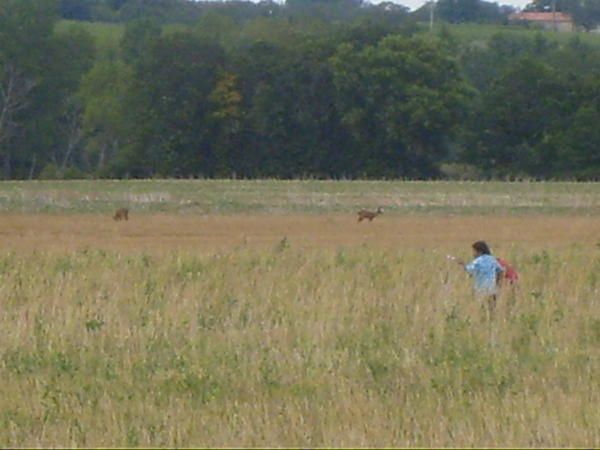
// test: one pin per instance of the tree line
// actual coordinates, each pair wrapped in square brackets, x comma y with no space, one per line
[327,91]
[585,12]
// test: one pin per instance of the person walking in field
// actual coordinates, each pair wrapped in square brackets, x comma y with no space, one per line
[486,271]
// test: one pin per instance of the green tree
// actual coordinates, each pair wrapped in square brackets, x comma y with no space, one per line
[577,149]
[169,114]
[25,32]
[457,11]
[218,27]
[138,37]
[401,100]
[291,127]
[325,9]
[60,110]
[571,149]
[103,93]
[227,112]
[516,115]
[76,9]
[39,69]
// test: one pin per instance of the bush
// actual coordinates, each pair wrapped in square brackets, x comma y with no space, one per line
[50,172]
[462,172]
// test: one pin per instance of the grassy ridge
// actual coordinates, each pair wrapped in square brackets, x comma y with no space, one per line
[472,32]
[108,35]
[222,196]
[280,347]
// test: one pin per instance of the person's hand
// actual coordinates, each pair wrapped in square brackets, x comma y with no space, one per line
[455,259]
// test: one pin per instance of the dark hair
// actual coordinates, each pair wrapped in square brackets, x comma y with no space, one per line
[481,247]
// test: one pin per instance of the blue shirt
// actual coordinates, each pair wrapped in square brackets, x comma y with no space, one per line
[484,270]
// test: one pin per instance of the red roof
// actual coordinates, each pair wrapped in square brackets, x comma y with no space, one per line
[542,17]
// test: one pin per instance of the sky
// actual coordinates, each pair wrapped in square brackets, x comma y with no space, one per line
[416,3]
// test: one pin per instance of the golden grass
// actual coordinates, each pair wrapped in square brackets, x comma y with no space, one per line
[159,233]
[212,331]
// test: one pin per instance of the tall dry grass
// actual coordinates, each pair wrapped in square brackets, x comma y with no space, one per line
[279,346]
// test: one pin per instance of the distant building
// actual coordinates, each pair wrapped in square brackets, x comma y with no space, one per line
[548,20]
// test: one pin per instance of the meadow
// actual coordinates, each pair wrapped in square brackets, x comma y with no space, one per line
[108,35]
[240,313]
[210,197]
[477,33]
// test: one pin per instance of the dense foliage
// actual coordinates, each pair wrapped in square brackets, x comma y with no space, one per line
[309,88]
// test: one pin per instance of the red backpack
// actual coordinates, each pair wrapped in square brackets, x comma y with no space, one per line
[510,274]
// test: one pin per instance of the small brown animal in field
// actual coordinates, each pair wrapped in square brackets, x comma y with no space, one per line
[370,215]
[121,214]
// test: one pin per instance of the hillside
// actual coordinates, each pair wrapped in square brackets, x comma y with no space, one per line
[483,32]
[108,35]
[298,96]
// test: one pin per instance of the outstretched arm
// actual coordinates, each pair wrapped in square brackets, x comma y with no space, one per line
[460,262]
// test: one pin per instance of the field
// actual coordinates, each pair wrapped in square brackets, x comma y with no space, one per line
[473,32]
[108,35]
[240,313]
